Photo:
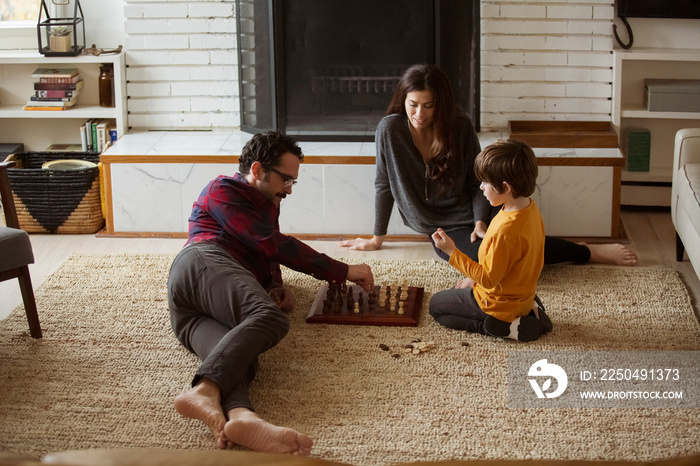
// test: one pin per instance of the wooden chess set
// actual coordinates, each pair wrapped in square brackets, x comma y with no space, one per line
[390,305]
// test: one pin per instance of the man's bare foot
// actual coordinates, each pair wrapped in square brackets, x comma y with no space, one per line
[201,402]
[247,429]
[616,254]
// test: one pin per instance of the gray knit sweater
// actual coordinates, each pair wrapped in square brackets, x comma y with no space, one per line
[401,177]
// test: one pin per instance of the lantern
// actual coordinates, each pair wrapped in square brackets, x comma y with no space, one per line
[61,36]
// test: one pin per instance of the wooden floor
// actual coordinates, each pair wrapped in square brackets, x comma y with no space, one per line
[650,233]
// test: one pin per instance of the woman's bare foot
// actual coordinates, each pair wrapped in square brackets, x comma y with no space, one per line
[201,402]
[616,254]
[247,429]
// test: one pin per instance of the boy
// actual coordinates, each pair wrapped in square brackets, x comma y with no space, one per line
[498,296]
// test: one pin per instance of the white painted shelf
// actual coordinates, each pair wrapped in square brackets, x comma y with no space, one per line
[16,88]
[632,67]
[639,111]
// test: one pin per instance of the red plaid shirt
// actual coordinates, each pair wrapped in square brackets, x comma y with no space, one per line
[241,219]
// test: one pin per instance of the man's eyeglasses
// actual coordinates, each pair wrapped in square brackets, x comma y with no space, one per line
[288,180]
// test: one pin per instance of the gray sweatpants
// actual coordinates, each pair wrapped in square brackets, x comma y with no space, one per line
[220,312]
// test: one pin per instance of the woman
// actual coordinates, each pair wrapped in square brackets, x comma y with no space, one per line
[425,163]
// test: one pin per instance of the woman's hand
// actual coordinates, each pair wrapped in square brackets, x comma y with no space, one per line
[284,297]
[479,232]
[362,244]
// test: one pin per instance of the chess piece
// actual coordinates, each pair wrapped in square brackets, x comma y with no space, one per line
[357,308]
[338,303]
[400,311]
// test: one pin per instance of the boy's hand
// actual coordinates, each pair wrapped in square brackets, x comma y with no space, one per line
[443,242]
[465,283]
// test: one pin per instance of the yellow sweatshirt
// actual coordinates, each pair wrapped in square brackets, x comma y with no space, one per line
[511,258]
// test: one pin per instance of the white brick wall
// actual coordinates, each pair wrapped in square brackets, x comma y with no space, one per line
[541,60]
[545,60]
[181,64]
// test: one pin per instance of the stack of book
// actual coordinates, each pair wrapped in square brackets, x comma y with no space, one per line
[55,89]
[96,133]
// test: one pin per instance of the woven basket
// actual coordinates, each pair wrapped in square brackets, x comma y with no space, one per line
[56,201]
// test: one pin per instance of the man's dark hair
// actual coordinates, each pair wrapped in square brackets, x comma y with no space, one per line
[267,148]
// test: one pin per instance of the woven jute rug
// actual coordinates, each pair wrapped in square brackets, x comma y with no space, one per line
[108,367]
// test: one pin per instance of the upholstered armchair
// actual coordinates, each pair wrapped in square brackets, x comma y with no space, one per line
[16,251]
[685,201]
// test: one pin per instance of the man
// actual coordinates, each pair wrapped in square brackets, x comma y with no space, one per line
[226,296]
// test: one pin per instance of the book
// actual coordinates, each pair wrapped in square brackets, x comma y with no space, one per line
[64,148]
[34,98]
[93,134]
[101,135]
[51,103]
[103,129]
[59,86]
[88,134]
[55,73]
[55,94]
[49,80]
[83,139]
[54,109]
[50,99]
[111,128]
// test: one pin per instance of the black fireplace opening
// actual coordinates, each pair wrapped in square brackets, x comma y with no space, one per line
[326,70]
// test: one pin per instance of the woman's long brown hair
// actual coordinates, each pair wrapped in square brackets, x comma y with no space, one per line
[423,77]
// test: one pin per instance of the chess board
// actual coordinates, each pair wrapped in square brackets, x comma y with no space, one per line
[389,305]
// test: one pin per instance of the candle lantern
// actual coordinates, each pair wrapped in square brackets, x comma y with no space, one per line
[61,36]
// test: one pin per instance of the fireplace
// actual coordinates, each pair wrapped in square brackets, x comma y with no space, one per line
[325,69]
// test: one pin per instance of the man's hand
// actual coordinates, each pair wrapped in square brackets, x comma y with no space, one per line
[479,232]
[362,244]
[362,275]
[443,242]
[284,297]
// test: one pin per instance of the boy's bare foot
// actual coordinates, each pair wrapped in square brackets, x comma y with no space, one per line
[616,254]
[247,429]
[201,402]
